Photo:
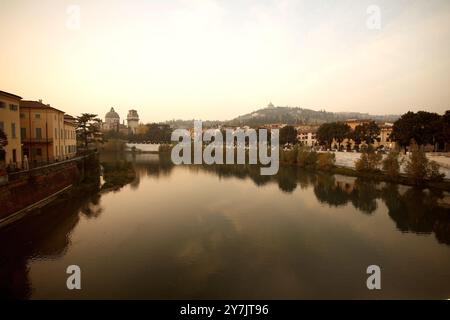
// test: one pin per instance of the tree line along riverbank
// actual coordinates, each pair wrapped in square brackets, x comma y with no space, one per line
[418,169]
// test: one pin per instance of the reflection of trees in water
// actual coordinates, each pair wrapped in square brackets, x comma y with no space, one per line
[418,211]
[415,210]
[328,191]
[364,195]
[44,234]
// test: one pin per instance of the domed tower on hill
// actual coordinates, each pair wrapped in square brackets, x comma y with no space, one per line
[112,121]
[133,121]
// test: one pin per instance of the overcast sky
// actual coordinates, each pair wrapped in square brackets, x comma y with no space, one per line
[219,59]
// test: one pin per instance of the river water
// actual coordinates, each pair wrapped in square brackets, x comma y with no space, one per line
[210,232]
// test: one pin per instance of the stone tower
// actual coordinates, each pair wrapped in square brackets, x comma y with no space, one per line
[133,121]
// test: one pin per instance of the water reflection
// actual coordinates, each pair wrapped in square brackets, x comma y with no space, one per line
[168,235]
[412,210]
[44,235]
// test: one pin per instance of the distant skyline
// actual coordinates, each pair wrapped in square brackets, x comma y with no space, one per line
[215,60]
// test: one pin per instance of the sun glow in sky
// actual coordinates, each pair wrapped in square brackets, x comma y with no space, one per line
[209,59]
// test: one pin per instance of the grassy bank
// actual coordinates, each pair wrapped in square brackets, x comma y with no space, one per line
[117,174]
[366,168]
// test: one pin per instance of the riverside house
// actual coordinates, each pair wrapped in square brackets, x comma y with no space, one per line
[45,133]
[10,125]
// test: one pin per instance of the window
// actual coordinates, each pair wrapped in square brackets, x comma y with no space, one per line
[23,133]
[22,115]
[56,133]
[2,105]
[2,126]
[37,116]
[39,151]
[38,133]
[13,107]
[13,130]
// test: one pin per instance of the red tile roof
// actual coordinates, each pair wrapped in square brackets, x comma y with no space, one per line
[36,105]
[4,93]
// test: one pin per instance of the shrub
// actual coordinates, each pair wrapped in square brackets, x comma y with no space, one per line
[417,165]
[391,164]
[306,158]
[289,156]
[433,171]
[369,160]
[326,161]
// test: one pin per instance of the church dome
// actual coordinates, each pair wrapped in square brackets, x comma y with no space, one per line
[112,114]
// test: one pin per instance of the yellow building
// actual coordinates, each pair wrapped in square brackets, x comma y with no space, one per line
[353,123]
[70,136]
[10,125]
[43,132]
[385,139]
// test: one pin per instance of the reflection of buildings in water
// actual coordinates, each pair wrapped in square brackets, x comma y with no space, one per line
[45,234]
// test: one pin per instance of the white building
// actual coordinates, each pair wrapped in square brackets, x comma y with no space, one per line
[133,121]
[112,121]
[307,135]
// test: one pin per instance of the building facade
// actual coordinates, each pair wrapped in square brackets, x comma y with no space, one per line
[43,132]
[384,139]
[307,135]
[10,125]
[70,136]
[112,121]
[133,121]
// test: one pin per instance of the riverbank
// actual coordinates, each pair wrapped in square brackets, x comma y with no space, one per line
[380,176]
[332,162]
[28,190]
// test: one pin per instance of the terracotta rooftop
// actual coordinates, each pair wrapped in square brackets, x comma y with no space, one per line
[36,105]
[4,93]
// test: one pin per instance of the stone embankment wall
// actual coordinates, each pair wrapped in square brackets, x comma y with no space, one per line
[28,187]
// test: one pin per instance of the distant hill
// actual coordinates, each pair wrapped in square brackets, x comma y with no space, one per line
[295,116]
[285,115]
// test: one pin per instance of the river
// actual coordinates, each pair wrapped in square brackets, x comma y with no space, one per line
[225,232]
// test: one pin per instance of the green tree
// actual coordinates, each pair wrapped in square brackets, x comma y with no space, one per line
[88,128]
[391,164]
[433,172]
[366,132]
[422,127]
[325,134]
[326,161]
[306,158]
[328,132]
[341,131]
[417,164]
[288,134]
[369,160]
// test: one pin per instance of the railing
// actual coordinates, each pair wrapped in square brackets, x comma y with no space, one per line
[37,140]
[36,166]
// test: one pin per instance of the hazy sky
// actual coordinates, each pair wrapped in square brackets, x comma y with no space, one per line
[218,59]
